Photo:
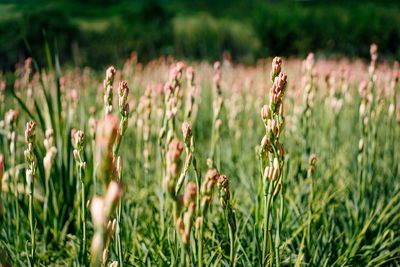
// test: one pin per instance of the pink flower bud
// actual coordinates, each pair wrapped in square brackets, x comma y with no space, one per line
[190,193]
[113,195]
[97,210]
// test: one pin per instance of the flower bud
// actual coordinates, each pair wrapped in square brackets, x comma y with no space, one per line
[265,113]
[30,135]
[78,139]
[361,144]
[113,195]
[187,132]
[29,176]
[110,74]
[190,193]
[97,210]
[105,138]
[276,67]
[276,163]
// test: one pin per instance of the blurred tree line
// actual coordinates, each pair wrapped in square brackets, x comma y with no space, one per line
[201,30]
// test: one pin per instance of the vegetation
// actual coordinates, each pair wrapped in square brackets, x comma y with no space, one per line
[173,164]
[203,30]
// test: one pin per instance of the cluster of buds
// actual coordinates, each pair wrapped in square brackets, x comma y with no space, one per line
[123,104]
[144,111]
[189,147]
[217,77]
[275,109]
[172,90]
[191,90]
[51,152]
[366,99]
[224,192]
[11,121]
[173,166]
[30,139]
[218,102]
[271,149]
[207,189]
[308,83]
[27,68]
[187,134]
[108,89]
[373,51]
[309,63]
[92,122]
[276,67]
[173,85]
[184,223]
[105,138]
[225,199]
[123,91]
[102,209]
[73,98]
[312,163]
[271,172]
[78,141]
[277,92]
[172,94]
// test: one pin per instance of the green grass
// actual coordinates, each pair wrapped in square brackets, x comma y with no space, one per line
[328,219]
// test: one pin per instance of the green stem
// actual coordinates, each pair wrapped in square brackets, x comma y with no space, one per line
[200,244]
[232,245]
[83,207]
[15,178]
[277,237]
[187,257]
[33,244]
[267,212]
[119,243]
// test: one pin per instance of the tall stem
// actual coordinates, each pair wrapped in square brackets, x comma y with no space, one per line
[200,244]
[31,222]
[83,215]
[232,246]
[267,212]
[15,178]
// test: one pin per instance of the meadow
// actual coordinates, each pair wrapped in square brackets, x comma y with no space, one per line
[289,162]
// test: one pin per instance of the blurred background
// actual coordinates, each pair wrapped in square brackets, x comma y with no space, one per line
[97,33]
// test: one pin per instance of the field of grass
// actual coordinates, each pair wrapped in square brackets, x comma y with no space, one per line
[286,163]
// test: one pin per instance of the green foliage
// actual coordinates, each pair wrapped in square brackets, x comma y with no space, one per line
[202,29]
[202,36]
